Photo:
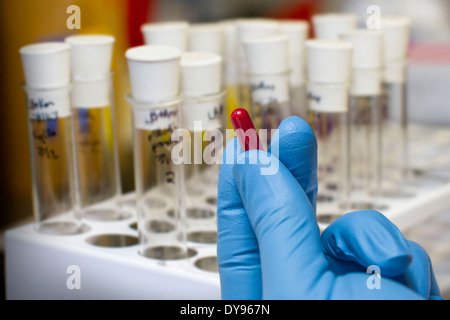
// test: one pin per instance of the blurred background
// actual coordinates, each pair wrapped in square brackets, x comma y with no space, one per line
[24,22]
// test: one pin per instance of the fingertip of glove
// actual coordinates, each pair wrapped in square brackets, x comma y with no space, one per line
[295,123]
[369,238]
[293,134]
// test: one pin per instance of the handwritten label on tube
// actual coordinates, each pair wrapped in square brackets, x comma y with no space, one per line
[154,119]
[48,105]
[266,89]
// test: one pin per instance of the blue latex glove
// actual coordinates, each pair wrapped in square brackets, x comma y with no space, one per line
[269,244]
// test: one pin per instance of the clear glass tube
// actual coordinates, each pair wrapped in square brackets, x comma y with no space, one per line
[299,101]
[51,155]
[159,181]
[330,119]
[395,178]
[203,117]
[365,150]
[96,154]
[232,102]
[270,103]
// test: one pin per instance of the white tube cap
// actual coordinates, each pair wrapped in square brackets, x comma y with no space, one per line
[396,30]
[328,61]
[91,54]
[329,26]
[170,33]
[154,72]
[267,55]
[230,51]
[328,69]
[256,27]
[253,28]
[46,65]
[297,32]
[367,48]
[201,73]
[367,60]
[206,37]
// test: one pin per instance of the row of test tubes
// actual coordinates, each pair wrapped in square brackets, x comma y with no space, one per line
[348,83]
[72,132]
[73,140]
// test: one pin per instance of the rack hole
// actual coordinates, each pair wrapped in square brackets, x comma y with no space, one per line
[112,240]
[207,264]
[160,226]
[202,236]
[168,253]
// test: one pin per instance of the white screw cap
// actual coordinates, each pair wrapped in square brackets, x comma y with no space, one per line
[46,65]
[170,33]
[329,26]
[91,54]
[154,72]
[201,73]
[267,55]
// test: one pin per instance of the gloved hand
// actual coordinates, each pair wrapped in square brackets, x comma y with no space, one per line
[269,244]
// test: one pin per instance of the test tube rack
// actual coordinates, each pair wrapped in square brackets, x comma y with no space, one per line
[103,262]
[428,188]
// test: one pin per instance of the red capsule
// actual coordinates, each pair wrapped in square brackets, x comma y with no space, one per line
[245,130]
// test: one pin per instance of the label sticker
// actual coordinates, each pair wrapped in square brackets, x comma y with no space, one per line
[48,105]
[266,89]
[154,119]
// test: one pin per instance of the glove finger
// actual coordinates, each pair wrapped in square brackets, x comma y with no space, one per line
[420,276]
[237,247]
[295,145]
[368,238]
[292,262]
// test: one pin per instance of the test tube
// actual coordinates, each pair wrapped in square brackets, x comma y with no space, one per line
[330,26]
[95,138]
[297,31]
[155,99]
[396,31]
[168,33]
[328,69]
[365,116]
[268,74]
[230,77]
[248,28]
[203,117]
[208,37]
[47,85]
